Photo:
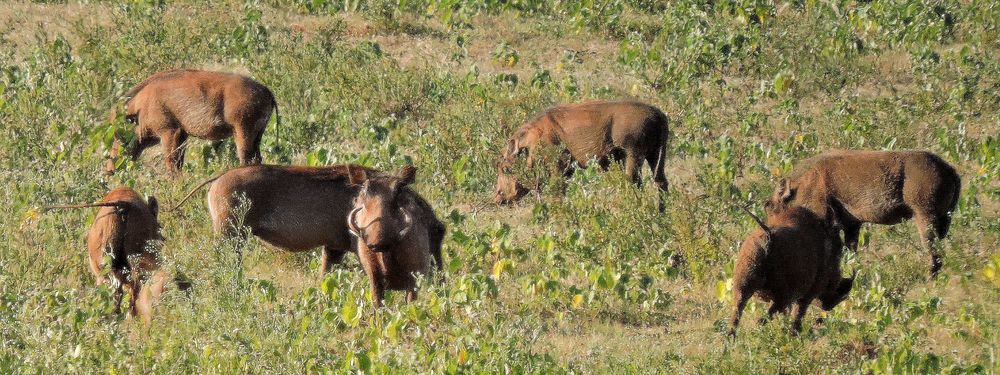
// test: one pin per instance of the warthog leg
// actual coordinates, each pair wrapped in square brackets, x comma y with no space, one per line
[852,231]
[257,158]
[776,307]
[331,256]
[741,303]
[655,161]
[633,162]
[378,290]
[247,145]
[800,312]
[134,290]
[929,228]
[173,150]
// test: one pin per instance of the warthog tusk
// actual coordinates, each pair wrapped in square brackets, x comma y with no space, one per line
[407,223]
[352,225]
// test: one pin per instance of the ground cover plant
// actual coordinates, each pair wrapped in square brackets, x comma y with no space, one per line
[593,280]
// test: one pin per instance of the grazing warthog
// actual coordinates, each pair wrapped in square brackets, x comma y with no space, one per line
[624,130]
[397,233]
[292,208]
[882,187]
[794,258]
[126,229]
[171,105]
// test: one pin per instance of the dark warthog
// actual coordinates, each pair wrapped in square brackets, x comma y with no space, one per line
[795,257]
[398,234]
[882,187]
[292,208]
[624,130]
[171,105]
[126,229]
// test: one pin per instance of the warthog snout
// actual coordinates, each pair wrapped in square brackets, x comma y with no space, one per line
[830,300]
[508,189]
[373,234]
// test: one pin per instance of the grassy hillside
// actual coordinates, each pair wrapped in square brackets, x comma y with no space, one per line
[592,281]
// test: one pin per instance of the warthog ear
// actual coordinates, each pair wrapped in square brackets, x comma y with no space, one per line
[363,175]
[405,177]
[154,205]
[511,148]
[846,285]
[503,166]
[787,191]
[832,218]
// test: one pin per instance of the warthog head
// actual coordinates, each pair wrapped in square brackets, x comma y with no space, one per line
[131,143]
[831,298]
[380,218]
[782,197]
[508,189]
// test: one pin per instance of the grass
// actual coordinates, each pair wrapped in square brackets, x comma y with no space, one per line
[593,281]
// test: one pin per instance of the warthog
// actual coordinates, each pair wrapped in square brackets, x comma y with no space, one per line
[794,258]
[622,130]
[397,234]
[882,187]
[171,105]
[126,229]
[294,208]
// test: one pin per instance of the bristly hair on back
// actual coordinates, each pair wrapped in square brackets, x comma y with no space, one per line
[153,78]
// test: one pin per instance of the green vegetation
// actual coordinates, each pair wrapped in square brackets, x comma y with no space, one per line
[593,281]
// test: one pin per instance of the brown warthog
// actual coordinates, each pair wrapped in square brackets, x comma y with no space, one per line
[294,208]
[126,229]
[795,257]
[171,105]
[622,130]
[397,234]
[882,187]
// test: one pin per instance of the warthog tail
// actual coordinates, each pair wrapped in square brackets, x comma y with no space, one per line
[277,121]
[86,205]
[119,257]
[756,218]
[664,140]
[437,238]
[956,193]
[188,196]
